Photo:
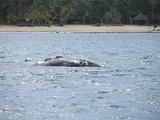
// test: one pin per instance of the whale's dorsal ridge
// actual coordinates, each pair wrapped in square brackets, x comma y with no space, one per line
[57,57]
[47,59]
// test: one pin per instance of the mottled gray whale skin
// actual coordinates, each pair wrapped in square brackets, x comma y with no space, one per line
[61,61]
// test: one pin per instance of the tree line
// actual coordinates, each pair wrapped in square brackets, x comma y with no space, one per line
[43,12]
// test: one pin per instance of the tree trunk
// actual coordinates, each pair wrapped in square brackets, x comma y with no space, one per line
[32,22]
[152,14]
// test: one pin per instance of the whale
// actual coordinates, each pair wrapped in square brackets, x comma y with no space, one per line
[61,61]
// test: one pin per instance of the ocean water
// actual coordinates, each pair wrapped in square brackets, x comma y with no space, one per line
[126,87]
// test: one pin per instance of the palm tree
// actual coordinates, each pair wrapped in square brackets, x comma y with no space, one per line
[15,11]
[66,12]
[38,12]
[45,16]
[3,10]
[57,7]
[11,18]
[19,8]
[153,4]
[83,9]
[34,13]
[113,16]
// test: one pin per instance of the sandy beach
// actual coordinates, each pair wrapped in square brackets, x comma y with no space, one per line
[79,28]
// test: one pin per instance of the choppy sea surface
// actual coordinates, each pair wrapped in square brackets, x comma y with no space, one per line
[126,87]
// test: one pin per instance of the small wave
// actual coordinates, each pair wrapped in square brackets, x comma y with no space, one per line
[142,68]
[149,61]
[146,57]
[2,77]
[122,75]
[37,74]
[100,97]
[117,106]
[113,54]
[103,92]
[94,72]
[27,60]
[2,56]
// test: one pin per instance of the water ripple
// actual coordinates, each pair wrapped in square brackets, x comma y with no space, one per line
[125,87]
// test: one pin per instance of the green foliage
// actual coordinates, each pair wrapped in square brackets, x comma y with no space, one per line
[112,16]
[66,12]
[38,13]
[11,10]
[42,11]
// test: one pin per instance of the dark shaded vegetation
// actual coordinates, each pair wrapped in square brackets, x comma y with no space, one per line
[47,12]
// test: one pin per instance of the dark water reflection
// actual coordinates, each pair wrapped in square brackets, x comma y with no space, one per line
[127,86]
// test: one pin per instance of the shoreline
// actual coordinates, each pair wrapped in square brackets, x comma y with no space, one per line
[81,29]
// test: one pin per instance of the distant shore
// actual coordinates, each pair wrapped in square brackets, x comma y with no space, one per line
[81,28]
